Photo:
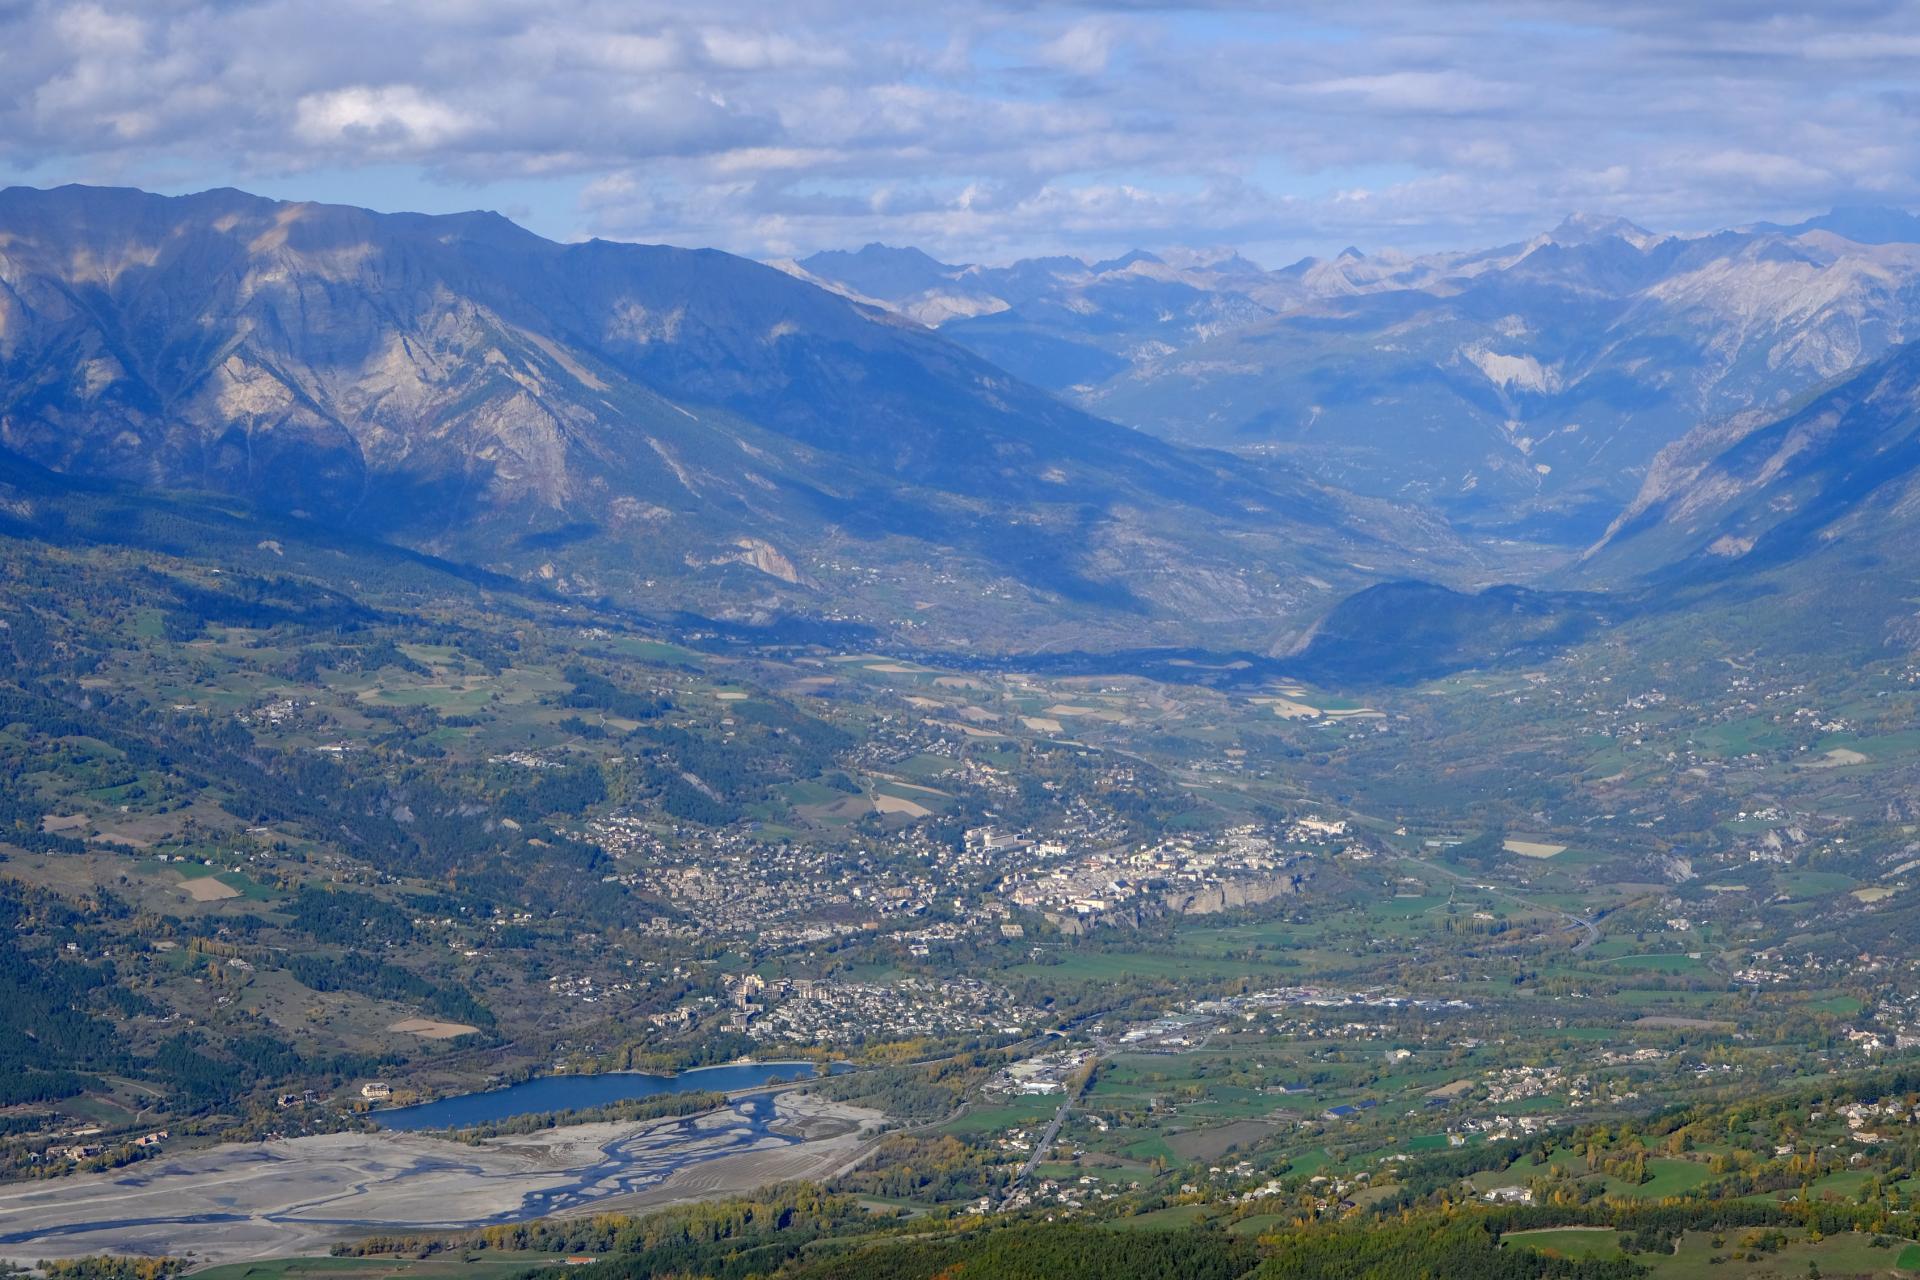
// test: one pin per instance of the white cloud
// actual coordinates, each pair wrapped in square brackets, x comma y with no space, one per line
[625,52]
[991,127]
[1084,48]
[384,118]
[738,50]
[1424,91]
[93,32]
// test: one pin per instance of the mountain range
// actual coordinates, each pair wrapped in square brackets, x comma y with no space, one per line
[1526,387]
[689,431]
[666,427]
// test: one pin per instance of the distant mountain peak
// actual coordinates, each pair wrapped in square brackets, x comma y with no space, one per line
[1586,228]
[1215,259]
[875,249]
[1350,252]
[879,270]
[1053,262]
[1126,260]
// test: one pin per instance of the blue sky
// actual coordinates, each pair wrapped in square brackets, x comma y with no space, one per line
[983,131]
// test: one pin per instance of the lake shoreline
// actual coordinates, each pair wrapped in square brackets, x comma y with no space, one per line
[560,1093]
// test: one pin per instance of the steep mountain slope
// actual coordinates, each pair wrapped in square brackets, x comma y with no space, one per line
[687,428]
[1837,476]
[1531,382]
[1771,533]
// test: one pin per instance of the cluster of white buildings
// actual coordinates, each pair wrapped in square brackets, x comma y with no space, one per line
[832,1011]
[1243,864]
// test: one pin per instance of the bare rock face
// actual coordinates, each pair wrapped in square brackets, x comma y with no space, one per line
[299,354]
[767,558]
[1230,895]
[1227,895]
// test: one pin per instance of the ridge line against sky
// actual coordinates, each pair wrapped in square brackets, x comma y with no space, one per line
[984,131]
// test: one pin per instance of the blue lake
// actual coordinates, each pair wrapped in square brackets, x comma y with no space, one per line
[569,1093]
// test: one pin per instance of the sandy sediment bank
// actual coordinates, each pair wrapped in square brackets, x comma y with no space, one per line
[254,1200]
[834,1137]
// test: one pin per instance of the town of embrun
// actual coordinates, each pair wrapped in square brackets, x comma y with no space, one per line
[1016,640]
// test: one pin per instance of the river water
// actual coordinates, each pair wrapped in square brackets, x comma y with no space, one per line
[570,1093]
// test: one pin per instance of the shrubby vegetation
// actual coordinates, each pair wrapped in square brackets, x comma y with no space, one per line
[105,1267]
[660,1106]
